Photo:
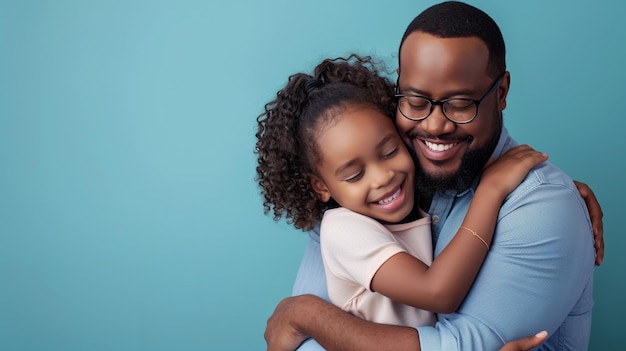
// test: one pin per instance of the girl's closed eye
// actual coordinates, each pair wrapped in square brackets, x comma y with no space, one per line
[354,177]
[391,152]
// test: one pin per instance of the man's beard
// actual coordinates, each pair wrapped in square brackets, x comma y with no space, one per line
[472,165]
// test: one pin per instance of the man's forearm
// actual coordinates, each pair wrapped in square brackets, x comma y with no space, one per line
[335,329]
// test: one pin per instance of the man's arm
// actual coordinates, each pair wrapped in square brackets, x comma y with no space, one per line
[297,317]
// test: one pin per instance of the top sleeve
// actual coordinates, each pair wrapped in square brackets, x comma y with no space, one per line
[355,246]
[539,270]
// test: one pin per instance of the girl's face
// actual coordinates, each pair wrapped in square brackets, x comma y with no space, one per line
[365,166]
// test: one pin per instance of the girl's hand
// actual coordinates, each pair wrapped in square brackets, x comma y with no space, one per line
[595,213]
[526,343]
[507,172]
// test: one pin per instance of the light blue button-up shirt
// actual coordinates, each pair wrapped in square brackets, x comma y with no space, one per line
[538,274]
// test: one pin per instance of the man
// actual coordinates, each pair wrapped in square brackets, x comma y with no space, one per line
[539,272]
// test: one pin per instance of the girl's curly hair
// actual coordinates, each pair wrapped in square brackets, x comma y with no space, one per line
[287,133]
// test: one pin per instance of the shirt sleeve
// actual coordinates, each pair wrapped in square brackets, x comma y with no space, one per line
[539,270]
[311,278]
[310,345]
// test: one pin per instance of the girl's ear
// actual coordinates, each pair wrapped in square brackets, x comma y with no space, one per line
[320,188]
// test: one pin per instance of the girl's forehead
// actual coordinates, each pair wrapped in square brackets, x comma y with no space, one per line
[355,125]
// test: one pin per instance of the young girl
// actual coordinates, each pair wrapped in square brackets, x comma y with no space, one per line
[328,150]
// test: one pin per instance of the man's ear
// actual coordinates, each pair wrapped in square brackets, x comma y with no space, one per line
[503,90]
[320,188]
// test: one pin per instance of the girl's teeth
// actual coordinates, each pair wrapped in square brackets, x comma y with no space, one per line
[390,198]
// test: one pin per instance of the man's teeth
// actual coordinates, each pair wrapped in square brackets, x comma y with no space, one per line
[439,147]
[390,198]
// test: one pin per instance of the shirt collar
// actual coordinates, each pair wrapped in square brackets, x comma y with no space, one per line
[504,143]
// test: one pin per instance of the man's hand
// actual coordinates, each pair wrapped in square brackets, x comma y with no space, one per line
[280,332]
[299,317]
[595,213]
[526,343]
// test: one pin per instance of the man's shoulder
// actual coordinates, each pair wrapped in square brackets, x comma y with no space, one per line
[545,174]
[545,193]
[548,177]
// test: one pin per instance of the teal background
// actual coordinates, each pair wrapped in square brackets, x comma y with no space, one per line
[129,214]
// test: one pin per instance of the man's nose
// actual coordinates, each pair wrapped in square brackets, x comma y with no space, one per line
[437,123]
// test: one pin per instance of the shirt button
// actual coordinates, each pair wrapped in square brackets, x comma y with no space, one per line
[435,219]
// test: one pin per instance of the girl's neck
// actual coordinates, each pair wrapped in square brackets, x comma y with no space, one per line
[414,215]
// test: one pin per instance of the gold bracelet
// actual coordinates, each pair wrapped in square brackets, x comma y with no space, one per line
[476,235]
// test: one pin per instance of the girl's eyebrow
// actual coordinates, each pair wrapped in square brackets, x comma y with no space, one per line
[388,137]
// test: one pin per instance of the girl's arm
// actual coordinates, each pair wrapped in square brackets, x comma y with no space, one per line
[595,214]
[443,286]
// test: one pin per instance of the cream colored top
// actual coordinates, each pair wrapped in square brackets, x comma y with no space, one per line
[353,249]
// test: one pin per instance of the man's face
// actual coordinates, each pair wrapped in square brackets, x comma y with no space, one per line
[450,155]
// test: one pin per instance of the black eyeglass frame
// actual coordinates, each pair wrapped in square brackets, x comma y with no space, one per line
[434,103]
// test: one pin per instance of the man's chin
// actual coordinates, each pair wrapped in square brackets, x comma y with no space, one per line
[458,179]
[435,170]
[430,183]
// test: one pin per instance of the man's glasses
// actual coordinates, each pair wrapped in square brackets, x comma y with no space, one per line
[457,110]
